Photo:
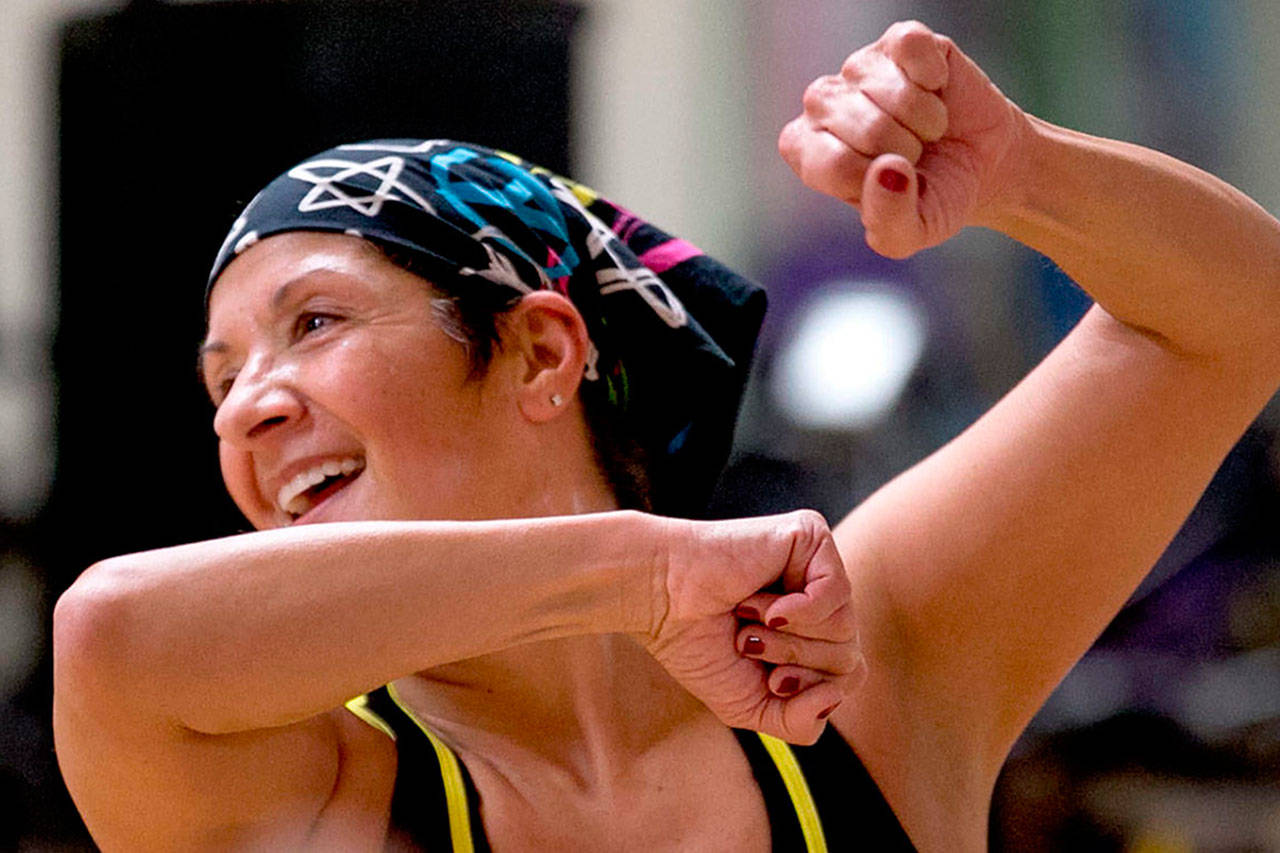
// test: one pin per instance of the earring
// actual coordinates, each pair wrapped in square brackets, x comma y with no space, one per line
[556,399]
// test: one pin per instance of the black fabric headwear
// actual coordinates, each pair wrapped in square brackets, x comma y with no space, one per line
[672,330]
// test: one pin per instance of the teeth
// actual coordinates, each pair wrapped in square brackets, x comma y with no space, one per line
[290,497]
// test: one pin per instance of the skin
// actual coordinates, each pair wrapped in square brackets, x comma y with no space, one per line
[580,659]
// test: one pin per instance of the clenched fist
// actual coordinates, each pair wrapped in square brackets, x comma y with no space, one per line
[756,620]
[912,134]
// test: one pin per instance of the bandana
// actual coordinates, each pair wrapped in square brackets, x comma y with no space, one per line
[672,330]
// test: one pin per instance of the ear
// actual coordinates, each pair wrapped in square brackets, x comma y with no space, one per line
[548,339]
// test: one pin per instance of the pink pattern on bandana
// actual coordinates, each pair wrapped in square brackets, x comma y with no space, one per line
[664,257]
[561,284]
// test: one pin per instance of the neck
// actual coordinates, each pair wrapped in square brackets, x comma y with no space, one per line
[589,705]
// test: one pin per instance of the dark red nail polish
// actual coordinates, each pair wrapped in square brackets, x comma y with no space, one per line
[745,612]
[788,685]
[894,181]
[753,646]
[822,715]
[777,622]
[921,183]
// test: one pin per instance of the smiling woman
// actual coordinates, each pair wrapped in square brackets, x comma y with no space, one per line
[317,337]
[447,631]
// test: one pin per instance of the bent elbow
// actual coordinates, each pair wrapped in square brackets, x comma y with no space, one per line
[92,638]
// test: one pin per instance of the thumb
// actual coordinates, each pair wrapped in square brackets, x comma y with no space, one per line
[890,212]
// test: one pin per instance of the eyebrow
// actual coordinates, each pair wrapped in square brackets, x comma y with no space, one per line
[278,298]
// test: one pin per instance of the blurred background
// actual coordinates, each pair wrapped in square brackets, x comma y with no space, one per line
[132,132]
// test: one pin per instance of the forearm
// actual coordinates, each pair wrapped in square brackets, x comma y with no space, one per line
[1162,246]
[271,627]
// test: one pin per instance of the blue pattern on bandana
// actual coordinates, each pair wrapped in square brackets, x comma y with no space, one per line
[672,330]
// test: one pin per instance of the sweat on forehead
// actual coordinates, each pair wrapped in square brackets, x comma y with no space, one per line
[672,330]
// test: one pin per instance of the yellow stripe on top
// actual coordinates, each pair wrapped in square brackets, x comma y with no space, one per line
[360,707]
[798,788]
[455,791]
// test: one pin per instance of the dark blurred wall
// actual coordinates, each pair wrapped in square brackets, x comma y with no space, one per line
[170,118]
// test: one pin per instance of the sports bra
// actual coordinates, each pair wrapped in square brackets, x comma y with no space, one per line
[818,798]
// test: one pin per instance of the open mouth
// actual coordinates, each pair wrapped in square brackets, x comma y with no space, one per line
[312,487]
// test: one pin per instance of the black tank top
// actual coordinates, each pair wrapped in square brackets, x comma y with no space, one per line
[818,797]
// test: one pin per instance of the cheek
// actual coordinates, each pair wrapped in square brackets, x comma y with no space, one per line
[237,476]
[413,388]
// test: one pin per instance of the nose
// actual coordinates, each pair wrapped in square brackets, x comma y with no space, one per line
[260,402]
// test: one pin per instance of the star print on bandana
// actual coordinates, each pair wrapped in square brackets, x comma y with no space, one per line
[331,190]
[670,331]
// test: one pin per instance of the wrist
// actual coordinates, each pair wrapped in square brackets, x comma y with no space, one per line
[1016,181]
[633,555]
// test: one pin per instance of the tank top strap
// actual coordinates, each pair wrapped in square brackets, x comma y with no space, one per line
[855,814]
[793,817]
[434,800]
[817,797]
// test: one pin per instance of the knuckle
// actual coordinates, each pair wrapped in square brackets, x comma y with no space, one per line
[819,92]
[900,32]
[811,518]
[853,66]
[913,34]
[789,142]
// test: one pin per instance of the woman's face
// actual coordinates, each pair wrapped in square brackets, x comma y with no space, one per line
[338,395]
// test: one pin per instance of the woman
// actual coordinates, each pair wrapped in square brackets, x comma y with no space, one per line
[580,662]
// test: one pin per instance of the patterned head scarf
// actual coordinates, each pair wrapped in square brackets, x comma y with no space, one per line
[672,330]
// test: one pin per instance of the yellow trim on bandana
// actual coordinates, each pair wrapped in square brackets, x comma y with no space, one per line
[585,195]
[455,791]
[798,788]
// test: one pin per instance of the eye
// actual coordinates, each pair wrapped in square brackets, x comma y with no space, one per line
[221,390]
[311,321]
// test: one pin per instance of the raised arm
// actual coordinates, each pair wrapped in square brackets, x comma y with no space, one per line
[989,568]
[195,686]
[192,683]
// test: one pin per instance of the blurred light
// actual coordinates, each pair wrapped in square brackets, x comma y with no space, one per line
[24,448]
[855,346]
[1233,694]
[1101,685]
[21,623]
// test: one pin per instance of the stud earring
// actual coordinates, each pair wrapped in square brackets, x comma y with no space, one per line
[556,399]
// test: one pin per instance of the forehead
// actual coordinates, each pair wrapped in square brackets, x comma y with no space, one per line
[268,273]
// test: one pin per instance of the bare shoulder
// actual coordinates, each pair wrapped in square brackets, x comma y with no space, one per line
[357,813]
[145,783]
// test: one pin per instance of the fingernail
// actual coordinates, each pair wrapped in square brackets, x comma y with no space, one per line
[777,622]
[788,685]
[753,646]
[822,715]
[894,181]
[745,612]
[920,183]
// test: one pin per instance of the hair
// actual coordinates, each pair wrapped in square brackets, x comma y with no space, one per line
[472,316]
